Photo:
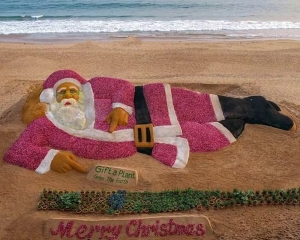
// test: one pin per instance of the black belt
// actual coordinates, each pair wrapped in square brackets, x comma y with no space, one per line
[142,116]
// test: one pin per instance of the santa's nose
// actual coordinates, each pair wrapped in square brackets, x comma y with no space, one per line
[68,94]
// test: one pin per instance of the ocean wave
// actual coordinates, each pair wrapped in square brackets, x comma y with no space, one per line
[37,16]
[115,26]
[22,17]
[66,17]
[135,5]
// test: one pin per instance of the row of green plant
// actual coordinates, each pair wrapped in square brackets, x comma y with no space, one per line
[125,202]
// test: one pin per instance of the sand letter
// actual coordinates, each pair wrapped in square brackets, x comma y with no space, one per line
[63,230]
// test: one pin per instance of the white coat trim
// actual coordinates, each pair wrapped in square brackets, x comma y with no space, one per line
[125,107]
[224,130]
[183,149]
[89,105]
[117,136]
[217,107]
[170,105]
[95,134]
[166,131]
[46,162]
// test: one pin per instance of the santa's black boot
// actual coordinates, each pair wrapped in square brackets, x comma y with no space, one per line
[235,126]
[275,106]
[255,110]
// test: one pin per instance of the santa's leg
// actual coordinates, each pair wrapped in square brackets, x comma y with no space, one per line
[255,110]
[212,136]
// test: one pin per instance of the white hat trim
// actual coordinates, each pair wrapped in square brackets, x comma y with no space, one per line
[71,80]
[48,95]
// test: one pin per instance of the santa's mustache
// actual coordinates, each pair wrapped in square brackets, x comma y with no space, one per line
[69,102]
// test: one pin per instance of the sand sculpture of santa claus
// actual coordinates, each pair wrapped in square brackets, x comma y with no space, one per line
[108,118]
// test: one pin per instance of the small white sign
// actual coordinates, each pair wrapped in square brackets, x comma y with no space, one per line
[113,176]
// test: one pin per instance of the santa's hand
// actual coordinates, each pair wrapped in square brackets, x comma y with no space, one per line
[64,162]
[117,117]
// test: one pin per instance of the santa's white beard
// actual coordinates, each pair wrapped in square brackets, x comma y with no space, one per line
[69,115]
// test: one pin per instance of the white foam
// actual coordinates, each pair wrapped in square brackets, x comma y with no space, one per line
[115,26]
[37,16]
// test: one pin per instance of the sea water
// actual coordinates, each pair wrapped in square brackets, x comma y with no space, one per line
[57,20]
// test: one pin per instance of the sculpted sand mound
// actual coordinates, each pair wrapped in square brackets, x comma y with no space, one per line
[258,160]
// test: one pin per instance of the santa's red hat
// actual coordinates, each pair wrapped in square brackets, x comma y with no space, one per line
[57,78]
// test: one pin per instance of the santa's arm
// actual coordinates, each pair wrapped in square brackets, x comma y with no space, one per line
[120,92]
[30,149]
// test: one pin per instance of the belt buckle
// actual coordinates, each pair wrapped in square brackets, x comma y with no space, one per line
[143,135]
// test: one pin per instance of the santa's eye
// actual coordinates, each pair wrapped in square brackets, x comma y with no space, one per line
[62,92]
[73,91]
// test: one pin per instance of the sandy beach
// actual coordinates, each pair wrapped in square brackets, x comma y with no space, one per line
[262,158]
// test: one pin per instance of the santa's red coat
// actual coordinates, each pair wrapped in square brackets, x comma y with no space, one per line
[183,121]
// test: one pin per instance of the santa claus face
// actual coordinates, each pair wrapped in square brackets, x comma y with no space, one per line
[68,109]
[67,90]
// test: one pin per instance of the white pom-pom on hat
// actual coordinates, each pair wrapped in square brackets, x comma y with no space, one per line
[47,95]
